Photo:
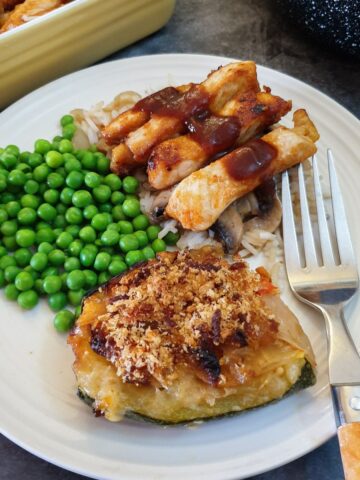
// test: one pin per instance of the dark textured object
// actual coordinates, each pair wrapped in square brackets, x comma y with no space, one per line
[248,29]
[335,23]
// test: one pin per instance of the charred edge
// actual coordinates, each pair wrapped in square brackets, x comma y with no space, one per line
[208,362]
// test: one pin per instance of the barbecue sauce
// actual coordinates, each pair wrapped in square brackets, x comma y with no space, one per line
[250,160]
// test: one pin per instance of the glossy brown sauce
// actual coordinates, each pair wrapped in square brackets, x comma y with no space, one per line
[265,193]
[170,102]
[249,160]
[215,134]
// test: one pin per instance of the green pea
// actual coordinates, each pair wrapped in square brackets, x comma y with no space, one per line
[47,212]
[128,242]
[52,284]
[81,198]
[55,180]
[51,196]
[45,247]
[30,201]
[104,277]
[60,221]
[100,221]
[68,131]
[42,188]
[7,197]
[45,235]
[65,146]
[141,222]
[54,159]
[153,232]
[8,160]
[11,272]
[130,184]
[39,286]
[26,216]
[142,238]
[56,142]
[78,311]
[72,263]
[90,211]
[41,173]
[87,257]
[103,164]
[117,198]
[6,261]
[92,180]
[34,160]
[74,230]
[125,227]
[64,320]
[102,193]
[42,146]
[158,245]
[88,161]
[64,240]
[75,297]
[57,257]
[133,257]
[13,149]
[28,300]
[106,207]
[24,281]
[91,279]
[102,261]
[74,215]
[57,301]
[75,280]
[11,292]
[131,207]
[66,120]
[39,261]
[116,267]
[10,243]
[72,164]
[61,209]
[25,237]
[113,181]
[148,253]
[75,247]
[49,272]
[74,180]
[66,195]
[9,228]
[171,238]
[16,177]
[110,237]
[3,183]
[22,256]
[117,213]
[3,216]
[12,208]
[87,234]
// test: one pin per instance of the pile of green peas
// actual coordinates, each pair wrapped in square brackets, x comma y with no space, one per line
[67,224]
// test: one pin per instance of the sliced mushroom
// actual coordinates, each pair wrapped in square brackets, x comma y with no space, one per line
[229,228]
[268,221]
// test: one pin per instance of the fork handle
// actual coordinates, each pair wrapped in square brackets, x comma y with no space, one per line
[346,400]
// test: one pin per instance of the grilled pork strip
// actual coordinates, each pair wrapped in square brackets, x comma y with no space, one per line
[200,198]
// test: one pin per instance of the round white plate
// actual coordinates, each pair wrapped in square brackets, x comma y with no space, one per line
[39,407]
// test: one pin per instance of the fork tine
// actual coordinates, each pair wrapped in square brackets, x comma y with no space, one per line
[309,244]
[325,242]
[343,238]
[291,249]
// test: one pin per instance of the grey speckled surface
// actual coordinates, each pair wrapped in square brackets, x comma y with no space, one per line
[252,29]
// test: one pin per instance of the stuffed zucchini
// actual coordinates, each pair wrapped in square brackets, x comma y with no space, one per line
[188,336]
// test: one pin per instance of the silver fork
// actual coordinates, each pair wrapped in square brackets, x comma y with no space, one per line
[328,285]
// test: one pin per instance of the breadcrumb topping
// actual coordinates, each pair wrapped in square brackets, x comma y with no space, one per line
[181,309]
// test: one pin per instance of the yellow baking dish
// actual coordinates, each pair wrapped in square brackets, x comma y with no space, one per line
[72,37]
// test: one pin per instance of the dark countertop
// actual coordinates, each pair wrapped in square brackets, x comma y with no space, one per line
[248,29]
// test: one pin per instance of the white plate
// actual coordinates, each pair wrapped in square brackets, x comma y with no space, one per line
[39,407]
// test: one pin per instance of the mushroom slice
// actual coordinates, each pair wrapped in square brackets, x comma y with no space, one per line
[229,228]
[268,221]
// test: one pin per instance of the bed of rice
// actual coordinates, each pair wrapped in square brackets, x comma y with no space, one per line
[258,246]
